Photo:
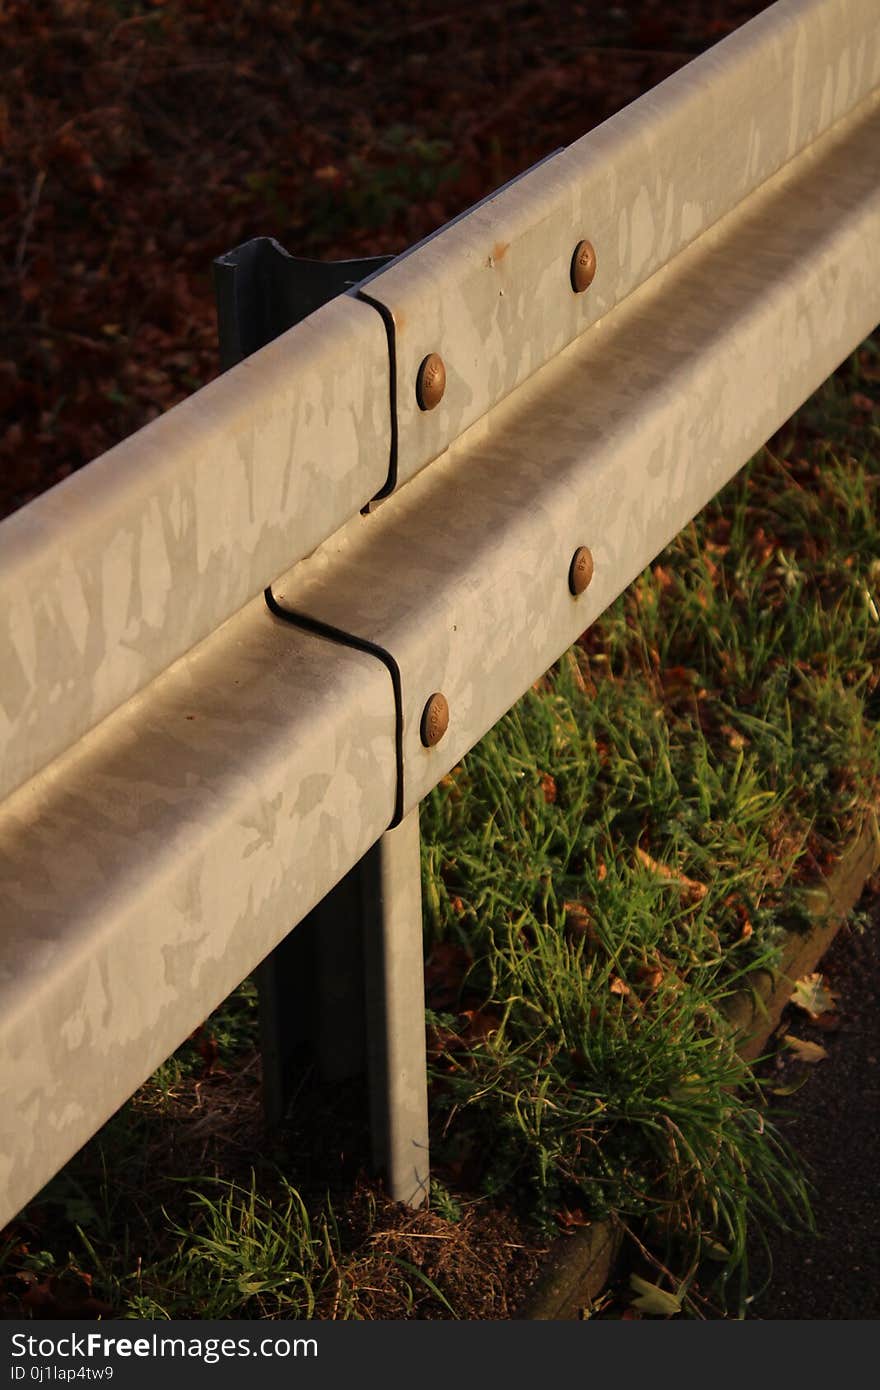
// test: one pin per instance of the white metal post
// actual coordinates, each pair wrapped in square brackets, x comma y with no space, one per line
[395,1009]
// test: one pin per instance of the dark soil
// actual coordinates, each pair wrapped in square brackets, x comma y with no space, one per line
[834,1125]
[476,1260]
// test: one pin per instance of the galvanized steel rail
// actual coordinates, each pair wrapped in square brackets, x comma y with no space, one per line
[188,774]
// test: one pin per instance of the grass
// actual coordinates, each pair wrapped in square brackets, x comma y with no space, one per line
[599,874]
[240,1254]
[634,836]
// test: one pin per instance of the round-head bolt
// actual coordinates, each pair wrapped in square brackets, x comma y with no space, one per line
[431,381]
[583,266]
[435,719]
[580,571]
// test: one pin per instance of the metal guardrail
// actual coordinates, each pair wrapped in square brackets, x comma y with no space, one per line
[189,769]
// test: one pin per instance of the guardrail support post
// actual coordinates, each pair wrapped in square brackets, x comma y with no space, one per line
[349,980]
[345,988]
[311,998]
[395,1010]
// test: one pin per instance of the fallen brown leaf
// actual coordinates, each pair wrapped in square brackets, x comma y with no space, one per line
[812,995]
[696,891]
[578,922]
[570,1219]
[803,1050]
[478,1024]
[548,787]
[650,976]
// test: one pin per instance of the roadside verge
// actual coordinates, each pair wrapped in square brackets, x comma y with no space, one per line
[578,1267]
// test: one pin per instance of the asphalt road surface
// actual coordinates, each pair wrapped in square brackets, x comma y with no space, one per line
[835,1125]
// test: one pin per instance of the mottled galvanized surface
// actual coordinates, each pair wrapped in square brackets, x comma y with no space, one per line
[395,980]
[463,576]
[491,293]
[120,569]
[115,573]
[146,872]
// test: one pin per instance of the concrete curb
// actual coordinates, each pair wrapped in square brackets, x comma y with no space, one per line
[578,1267]
[755,1012]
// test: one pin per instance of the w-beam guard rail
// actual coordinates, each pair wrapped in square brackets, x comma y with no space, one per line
[188,774]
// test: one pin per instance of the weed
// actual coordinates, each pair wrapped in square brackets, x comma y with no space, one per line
[247,1255]
[633,837]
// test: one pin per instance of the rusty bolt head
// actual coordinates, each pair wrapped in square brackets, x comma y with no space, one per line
[431,382]
[580,571]
[435,719]
[583,266]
